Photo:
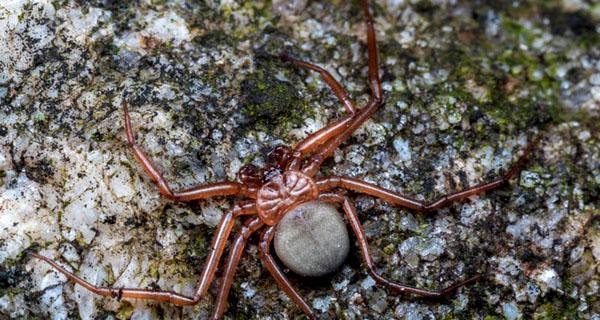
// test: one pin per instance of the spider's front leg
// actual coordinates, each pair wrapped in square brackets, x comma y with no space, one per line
[199,192]
[322,135]
[324,149]
[216,250]
[361,237]
[337,88]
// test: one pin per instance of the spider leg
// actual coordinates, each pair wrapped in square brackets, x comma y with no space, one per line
[337,88]
[375,101]
[216,250]
[282,281]
[199,192]
[322,135]
[319,137]
[364,248]
[356,185]
[235,254]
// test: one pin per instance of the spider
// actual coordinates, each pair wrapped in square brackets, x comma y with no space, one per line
[289,179]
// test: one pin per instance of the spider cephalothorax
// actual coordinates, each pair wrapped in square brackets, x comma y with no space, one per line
[289,179]
[282,193]
[280,185]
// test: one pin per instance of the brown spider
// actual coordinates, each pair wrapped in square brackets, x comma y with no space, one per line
[287,181]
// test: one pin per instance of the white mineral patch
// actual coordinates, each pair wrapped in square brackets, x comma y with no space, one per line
[211,214]
[120,184]
[508,265]
[375,133]
[403,149]
[547,279]
[79,25]
[595,91]
[367,282]
[596,248]
[142,313]
[322,304]
[249,290]
[166,27]
[356,154]
[529,179]
[521,228]
[475,211]
[511,311]
[22,219]
[80,216]
[17,26]
[53,301]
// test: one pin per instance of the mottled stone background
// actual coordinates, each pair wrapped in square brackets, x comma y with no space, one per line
[467,83]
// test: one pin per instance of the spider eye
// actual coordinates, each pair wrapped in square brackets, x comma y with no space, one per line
[249,174]
[279,156]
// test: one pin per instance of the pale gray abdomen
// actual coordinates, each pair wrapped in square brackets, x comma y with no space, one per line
[312,239]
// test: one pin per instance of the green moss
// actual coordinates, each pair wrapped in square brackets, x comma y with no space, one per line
[525,34]
[195,251]
[125,311]
[39,117]
[214,39]
[389,249]
[559,309]
[271,104]
[97,136]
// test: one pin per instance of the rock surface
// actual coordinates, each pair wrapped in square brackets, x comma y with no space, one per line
[467,84]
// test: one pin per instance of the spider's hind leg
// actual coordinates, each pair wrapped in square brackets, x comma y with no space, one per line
[283,282]
[366,254]
[206,278]
[235,254]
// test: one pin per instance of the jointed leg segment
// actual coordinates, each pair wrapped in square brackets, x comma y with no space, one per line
[356,185]
[285,285]
[319,137]
[337,88]
[200,192]
[326,149]
[350,211]
[216,250]
[235,254]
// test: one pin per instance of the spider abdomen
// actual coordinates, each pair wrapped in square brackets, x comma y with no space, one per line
[312,239]
[282,193]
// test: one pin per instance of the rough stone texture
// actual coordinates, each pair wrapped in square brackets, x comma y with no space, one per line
[312,239]
[467,84]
